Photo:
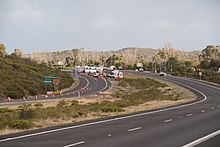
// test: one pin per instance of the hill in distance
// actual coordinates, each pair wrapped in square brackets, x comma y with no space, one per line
[129,55]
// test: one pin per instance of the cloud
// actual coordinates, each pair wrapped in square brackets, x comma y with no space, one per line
[108,24]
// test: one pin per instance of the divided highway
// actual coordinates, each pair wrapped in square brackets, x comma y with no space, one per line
[87,85]
[183,125]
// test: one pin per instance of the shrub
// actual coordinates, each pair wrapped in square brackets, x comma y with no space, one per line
[20,124]
[26,112]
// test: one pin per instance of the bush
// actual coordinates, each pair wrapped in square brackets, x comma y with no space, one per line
[16,124]
[26,112]
[20,124]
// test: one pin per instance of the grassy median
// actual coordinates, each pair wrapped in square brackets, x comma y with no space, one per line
[129,94]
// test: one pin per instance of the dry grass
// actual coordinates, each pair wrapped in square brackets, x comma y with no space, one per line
[185,96]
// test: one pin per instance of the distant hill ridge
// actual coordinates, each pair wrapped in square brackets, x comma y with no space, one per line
[130,55]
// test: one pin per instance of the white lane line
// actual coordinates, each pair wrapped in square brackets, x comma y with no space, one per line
[200,140]
[106,84]
[189,115]
[113,119]
[87,81]
[203,111]
[212,108]
[134,129]
[168,120]
[75,144]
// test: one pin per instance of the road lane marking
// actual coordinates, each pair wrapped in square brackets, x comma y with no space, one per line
[113,119]
[168,120]
[134,129]
[106,85]
[200,140]
[189,115]
[203,111]
[212,108]
[218,105]
[75,144]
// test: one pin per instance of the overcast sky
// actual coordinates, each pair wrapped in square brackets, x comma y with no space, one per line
[104,25]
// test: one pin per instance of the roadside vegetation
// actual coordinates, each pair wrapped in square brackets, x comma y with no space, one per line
[205,66]
[23,77]
[131,91]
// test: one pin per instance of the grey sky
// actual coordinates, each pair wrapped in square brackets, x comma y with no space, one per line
[50,25]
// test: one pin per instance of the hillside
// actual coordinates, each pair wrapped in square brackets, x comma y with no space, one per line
[128,55]
[23,77]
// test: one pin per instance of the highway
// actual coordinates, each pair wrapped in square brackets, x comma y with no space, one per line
[185,125]
[87,85]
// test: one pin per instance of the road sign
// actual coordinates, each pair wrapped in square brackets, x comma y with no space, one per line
[48,80]
[50,77]
[56,81]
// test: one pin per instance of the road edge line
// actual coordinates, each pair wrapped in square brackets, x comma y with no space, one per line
[200,140]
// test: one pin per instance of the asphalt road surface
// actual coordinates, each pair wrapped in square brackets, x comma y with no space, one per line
[87,85]
[183,125]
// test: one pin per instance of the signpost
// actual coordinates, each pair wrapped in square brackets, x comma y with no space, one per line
[51,80]
[200,75]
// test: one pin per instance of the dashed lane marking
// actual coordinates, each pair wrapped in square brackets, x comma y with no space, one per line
[134,129]
[75,144]
[168,120]
[189,115]
[203,111]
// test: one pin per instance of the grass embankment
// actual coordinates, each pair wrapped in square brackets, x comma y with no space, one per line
[23,77]
[131,94]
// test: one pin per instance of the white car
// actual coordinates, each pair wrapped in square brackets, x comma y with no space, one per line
[162,73]
[141,70]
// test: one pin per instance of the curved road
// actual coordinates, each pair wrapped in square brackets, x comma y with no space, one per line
[184,125]
[87,85]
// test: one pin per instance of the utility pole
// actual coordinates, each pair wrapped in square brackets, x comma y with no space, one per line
[111,58]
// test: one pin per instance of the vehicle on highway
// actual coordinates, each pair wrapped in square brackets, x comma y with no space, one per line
[97,74]
[57,92]
[90,68]
[140,69]
[115,74]
[162,73]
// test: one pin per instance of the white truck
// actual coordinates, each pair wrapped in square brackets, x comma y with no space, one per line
[116,74]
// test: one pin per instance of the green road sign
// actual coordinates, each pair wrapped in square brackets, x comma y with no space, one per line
[48,80]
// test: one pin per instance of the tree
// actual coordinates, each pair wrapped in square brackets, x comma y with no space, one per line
[75,55]
[2,50]
[211,52]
